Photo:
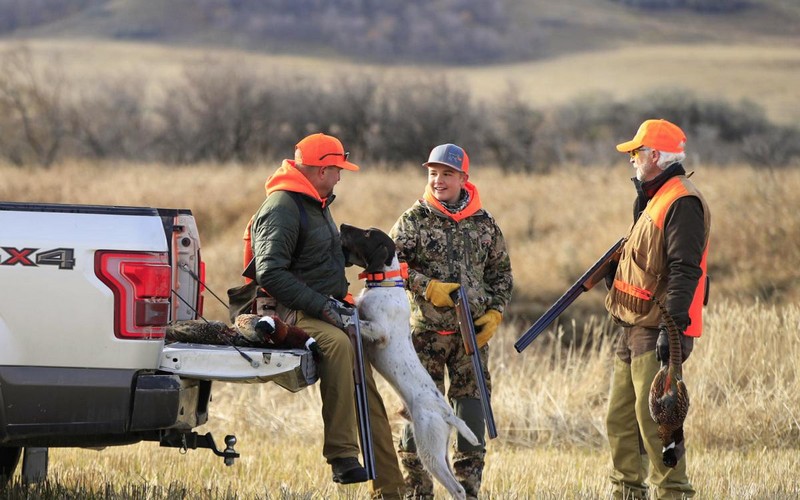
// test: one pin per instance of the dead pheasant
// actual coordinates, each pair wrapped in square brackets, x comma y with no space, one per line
[272,331]
[201,332]
[669,399]
[249,330]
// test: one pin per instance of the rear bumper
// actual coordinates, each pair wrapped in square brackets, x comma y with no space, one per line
[95,407]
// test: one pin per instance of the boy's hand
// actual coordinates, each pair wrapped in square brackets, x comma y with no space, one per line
[489,323]
[438,293]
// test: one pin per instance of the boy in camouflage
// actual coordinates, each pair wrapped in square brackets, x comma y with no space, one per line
[448,241]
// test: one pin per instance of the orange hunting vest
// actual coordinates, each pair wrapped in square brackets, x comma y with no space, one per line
[247,251]
[642,268]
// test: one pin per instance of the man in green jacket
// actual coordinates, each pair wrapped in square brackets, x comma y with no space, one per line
[300,263]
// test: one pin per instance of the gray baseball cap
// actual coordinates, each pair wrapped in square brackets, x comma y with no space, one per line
[449,155]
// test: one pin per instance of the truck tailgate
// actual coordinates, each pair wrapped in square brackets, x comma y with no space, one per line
[292,369]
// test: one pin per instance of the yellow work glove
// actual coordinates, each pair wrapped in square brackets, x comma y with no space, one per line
[438,293]
[489,323]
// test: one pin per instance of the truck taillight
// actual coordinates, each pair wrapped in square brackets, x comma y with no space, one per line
[141,285]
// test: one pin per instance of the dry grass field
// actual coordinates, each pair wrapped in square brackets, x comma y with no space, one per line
[743,428]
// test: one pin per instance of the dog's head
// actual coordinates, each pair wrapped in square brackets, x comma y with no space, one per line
[370,248]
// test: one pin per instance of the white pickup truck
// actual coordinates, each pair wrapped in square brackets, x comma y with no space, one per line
[86,295]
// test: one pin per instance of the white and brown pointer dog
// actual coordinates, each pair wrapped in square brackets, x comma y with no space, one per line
[384,312]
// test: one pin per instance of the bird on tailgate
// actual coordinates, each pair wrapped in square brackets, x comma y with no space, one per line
[249,330]
[272,331]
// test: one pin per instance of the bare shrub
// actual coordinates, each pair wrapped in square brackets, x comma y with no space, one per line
[410,118]
[775,148]
[512,134]
[210,115]
[224,111]
[302,105]
[110,122]
[35,118]
[586,129]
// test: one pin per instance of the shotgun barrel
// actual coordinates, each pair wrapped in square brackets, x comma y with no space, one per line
[589,279]
[362,404]
[467,328]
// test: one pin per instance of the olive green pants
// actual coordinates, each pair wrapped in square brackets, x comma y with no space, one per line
[337,389]
[628,417]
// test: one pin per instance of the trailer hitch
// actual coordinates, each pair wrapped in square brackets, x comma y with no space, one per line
[193,440]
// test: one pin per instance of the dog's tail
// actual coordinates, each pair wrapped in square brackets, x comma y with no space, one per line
[462,429]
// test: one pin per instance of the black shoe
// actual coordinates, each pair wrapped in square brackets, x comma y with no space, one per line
[347,471]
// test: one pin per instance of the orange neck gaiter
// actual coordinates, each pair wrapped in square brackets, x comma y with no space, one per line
[473,206]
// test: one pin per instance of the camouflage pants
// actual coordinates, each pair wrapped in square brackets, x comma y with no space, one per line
[445,355]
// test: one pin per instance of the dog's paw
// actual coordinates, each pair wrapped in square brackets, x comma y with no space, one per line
[370,332]
[381,341]
[403,412]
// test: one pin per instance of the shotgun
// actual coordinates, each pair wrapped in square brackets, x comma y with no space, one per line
[362,404]
[589,279]
[467,328]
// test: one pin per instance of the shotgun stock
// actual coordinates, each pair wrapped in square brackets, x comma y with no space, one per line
[467,328]
[589,279]
[362,404]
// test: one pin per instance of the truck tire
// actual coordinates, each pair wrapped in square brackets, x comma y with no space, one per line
[9,457]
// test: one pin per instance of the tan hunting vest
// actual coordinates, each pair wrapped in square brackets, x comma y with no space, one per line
[642,270]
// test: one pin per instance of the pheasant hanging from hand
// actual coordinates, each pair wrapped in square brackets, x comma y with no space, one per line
[669,399]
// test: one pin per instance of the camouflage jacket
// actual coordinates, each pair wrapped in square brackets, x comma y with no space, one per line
[471,252]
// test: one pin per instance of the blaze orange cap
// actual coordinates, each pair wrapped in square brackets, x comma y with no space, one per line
[656,134]
[320,150]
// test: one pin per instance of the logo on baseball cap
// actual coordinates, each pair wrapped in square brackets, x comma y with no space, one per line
[320,150]
[449,155]
[656,134]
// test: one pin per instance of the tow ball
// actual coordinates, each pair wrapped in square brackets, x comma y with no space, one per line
[192,440]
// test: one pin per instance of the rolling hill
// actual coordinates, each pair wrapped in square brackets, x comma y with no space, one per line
[407,31]
[602,49]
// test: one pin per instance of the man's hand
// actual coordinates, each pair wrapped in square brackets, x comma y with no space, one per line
[438,293]
[489,323]
[662,346]
[337,313]
[612,273]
